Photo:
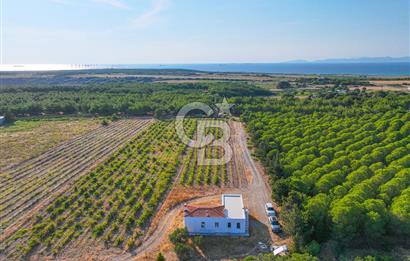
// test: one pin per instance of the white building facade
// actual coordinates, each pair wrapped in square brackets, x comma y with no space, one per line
[230,218]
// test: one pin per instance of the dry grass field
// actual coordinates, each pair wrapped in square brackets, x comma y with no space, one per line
[29,138]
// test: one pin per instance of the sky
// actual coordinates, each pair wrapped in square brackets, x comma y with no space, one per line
[200,31]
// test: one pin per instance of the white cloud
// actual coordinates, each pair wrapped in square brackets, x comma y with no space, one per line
[114,3]
[150,15]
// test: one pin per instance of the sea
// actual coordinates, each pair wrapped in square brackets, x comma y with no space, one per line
[369,69]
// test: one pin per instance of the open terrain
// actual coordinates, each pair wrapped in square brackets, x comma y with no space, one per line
[25,139]
[36,182]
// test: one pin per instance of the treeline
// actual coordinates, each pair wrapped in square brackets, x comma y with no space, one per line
[337,81]
[87,77]
[340,167]
[129,99]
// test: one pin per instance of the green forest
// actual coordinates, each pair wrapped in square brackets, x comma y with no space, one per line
[138,99]
[339,168]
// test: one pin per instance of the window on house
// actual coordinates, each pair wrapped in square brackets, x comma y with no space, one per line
[229,224]
[238,225]
[216,224]
[202,224]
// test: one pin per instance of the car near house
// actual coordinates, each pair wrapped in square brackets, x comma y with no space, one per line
[274,224]
[270,211]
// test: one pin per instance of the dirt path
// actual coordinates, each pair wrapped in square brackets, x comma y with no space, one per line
[255,194]
[156,238]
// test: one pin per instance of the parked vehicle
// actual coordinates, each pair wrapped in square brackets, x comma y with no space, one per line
[274,224]
[270,211]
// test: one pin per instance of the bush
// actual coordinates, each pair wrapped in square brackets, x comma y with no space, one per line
[180,235]
[115,117]
[118,241]
[105,122]
[313,248]
[183,251]
[130,244]
[160,257]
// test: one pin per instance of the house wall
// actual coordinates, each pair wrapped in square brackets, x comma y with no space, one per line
[193,225]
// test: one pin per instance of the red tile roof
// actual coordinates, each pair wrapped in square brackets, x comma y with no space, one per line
[203,211]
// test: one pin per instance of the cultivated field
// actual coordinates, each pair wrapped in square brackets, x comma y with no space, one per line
[244,176]
[110,209]
[35,182]
[29,138]
[112,203]
[194,172]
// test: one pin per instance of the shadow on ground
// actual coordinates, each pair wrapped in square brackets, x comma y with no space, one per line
[215,248]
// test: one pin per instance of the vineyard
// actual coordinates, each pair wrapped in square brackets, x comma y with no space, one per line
[113,202]
[35,181]
[340,168]
[194,170]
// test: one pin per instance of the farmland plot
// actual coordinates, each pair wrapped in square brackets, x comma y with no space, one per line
[34,182]
[26,139]
[195,173]
[113,203]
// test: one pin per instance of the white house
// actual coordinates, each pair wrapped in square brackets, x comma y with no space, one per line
[230,218]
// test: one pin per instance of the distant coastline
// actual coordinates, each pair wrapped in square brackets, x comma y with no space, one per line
[325,68]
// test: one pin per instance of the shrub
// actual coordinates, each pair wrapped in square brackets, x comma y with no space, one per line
[118,241]
[105,122]
[313,248]
[180,235]
[130,244]
[183,251]
[115,117]
[160,257]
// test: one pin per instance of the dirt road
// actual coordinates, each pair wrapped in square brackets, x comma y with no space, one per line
[256,193]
